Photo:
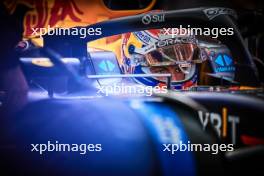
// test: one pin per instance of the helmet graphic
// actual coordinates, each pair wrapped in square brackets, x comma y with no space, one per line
[153,51]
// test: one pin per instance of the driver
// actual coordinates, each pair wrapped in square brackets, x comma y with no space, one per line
[153,52]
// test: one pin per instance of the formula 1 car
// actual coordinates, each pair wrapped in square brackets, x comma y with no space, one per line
[132,129]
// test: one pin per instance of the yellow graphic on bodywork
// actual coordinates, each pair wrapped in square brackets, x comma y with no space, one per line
[42,62]
[67,14]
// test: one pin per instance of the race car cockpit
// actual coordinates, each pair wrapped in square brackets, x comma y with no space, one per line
[140,47]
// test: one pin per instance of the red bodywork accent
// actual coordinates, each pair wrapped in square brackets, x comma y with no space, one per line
[250,140]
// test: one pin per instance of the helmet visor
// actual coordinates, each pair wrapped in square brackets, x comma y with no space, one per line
[178,54]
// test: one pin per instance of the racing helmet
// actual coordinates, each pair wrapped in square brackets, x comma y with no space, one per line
[156,52]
